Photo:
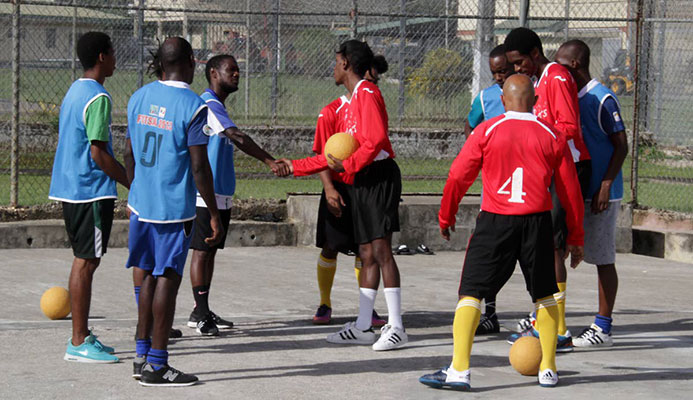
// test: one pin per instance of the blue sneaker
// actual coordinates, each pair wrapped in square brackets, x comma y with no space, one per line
[88,352]
[438,380]
[563,345]
[97,342]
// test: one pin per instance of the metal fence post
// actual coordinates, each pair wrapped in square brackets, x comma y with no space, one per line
[354,19]
[14,160]
[636,103]
[274,61]
[140,43]
[483,44]
[247,60]
[402,46]
[524,13]
[447,23]
[659,75]
[73,48]
[566,35]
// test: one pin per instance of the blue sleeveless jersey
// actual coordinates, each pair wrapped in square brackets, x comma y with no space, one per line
[159,114]
[220,148]
[597,139]
[76,178]
[491,102]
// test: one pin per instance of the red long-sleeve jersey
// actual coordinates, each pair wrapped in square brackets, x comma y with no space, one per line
[517,154]
[330,121]
[558,104]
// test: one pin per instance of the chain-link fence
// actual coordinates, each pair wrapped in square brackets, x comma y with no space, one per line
[437,54]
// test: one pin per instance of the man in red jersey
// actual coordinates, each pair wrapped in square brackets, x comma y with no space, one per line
[517,154]
[557,103]
[375,198]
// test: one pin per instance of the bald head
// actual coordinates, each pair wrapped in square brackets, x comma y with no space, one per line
[518,93]
[574,54]
[175,56]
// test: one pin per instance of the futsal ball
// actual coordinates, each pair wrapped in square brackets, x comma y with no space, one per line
[55,303]
[525,355]
[340,146]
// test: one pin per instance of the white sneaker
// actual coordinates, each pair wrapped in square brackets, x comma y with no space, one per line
[390,338]
[548,378]
[350,334]
[593,337]
[525,323]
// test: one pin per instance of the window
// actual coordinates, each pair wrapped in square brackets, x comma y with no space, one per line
[50,37]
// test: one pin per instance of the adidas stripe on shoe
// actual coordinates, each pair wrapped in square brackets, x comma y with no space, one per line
[349,334]
[390,338]
[593,337]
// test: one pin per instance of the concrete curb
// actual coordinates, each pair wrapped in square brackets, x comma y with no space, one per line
[668,244]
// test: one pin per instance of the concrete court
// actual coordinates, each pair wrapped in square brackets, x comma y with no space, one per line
[275,353]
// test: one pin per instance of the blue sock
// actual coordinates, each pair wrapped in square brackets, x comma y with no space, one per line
[157,358]
[142,347]
[137,295]
[604,323]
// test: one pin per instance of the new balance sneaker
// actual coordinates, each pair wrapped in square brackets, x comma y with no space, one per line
[390,338]
[488,325]
[221,323]
[207,326]
[593,336]
[165,376]
[548,378]
[323,316]
[563,345]
[448,377]
[376,321]
[525,323]
[350,334]
[88,352]
[137,364]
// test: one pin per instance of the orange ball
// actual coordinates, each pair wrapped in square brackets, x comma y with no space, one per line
[525,355]
[340,145]
[55,303]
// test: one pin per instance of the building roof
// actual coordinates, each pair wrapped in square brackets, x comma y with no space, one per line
[59,12]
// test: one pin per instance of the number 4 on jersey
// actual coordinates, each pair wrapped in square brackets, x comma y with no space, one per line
[515,192]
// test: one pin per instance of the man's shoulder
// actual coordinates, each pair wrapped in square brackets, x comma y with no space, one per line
[557,73]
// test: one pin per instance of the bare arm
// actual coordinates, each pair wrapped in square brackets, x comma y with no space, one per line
[247,145]
[129,161]
[202,173]
[600,202]
[109,165]
[335,202]
[467,128]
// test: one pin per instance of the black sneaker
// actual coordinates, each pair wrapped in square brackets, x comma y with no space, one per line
[488,325]
[137,365]
[221,323]
[207,326]
[166,376]
[175,333]
[194,319]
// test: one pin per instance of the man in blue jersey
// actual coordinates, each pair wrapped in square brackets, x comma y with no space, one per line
[84,179]
[605,137]
[222,74]
[486,105]
[166,158]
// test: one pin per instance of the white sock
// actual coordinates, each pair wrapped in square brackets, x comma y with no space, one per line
[366,304]
[393,297]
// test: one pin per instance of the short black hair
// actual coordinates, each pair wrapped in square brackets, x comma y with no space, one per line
[172,52]
[359,55]
[523,40]
[581,51]
[380,64]
[498,51]
[90,45]
[215,62]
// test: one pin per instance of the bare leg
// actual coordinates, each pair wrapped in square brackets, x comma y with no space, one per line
[608,286]
[144,310]
[81,277]
[164,307]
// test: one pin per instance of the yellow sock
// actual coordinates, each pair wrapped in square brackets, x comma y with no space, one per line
[560,300]
[357,269]
[547,326]
[467,317]
[326,269]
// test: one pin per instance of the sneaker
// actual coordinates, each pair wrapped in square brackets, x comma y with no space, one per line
[137,365]
[207,326]
[390,338]
[376,321]
[548,378]
[97,342]
[525,323]
[88,352]
[221,323]
[563,345]
[454,380]
[323,316]
[175,334]
[349,334]
[488,325]
[165,376]
[593,336]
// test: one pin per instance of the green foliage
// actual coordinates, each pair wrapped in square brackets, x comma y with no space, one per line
[443,73]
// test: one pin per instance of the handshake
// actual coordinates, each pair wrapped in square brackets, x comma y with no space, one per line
[282,167]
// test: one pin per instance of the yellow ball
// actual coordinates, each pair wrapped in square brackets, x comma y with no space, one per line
[55,303]
[340,145]
[525,355]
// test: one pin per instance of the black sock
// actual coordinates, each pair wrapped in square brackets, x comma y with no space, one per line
[490,309]
[201,295]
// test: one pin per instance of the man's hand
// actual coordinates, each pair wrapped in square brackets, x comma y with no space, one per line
[336,164]
[284,167]
[576,255]
[335,202]
[217,231]
[445,232]
[600,200]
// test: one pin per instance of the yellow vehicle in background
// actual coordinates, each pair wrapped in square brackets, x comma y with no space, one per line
[619,76]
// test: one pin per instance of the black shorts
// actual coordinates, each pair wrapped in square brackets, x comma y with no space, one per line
[560,229]
[203,229]
[332,232]
[498,242]
[375,201]
[88,226]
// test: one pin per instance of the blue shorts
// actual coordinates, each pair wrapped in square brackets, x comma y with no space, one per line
[155,247]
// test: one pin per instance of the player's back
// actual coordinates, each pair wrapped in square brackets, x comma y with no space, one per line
[520,153]
[159,115]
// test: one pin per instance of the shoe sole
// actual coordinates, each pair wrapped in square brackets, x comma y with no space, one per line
[207,334]
[361,342]
[548,385]
[167,384]
[396,346]
[71,358]
[225,326]
[136,376]
[462,387]
[319,322]
[594,346]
